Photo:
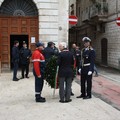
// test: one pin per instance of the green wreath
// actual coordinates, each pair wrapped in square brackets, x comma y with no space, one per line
[51,72]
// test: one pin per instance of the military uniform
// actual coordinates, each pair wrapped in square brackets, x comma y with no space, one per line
[15,60]
[25,55]
[87,69]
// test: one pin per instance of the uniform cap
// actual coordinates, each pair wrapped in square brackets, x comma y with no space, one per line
[24,42]
[86,39]
[50,44]
[38,44]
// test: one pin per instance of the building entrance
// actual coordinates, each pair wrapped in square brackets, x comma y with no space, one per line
[19,38]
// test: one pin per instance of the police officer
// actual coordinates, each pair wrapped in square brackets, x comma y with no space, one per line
[87,68]
[38,71]
[25,55]
[15,60]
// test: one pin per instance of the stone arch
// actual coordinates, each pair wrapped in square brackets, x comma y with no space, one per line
[19,8]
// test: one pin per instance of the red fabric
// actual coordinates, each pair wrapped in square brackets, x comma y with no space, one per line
[37,57]
[74,63]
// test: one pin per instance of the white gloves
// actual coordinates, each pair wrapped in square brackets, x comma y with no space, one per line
[79,70]
[90,73]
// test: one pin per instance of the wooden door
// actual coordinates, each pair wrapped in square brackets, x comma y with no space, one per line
[16,26]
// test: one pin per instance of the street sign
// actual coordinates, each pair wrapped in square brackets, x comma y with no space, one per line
[118,21]
[73,20]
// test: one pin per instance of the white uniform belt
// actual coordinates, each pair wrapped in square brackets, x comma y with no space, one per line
[86,64]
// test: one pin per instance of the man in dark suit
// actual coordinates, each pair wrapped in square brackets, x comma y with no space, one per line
[15,60]
[65,73]
[87,68]
[25,55]
[49,51]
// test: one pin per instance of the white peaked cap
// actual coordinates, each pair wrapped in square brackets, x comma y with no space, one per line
[86,39]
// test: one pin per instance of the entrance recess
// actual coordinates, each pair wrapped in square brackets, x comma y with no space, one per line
[18,19]
[19,38]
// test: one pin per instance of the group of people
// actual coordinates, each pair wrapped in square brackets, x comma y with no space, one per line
[20,57]
[66,60]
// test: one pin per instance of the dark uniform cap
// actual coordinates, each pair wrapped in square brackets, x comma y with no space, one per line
[50,44]
[86,39]
[38,44]
[15,42]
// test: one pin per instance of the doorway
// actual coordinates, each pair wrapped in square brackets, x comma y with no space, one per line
[19,38]
[104,49]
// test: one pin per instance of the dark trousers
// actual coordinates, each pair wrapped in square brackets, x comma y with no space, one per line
[65,88]
[25,67]
[86,78]
[15,69]
[38,84]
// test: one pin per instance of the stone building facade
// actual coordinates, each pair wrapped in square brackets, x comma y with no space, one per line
[97,20]
[39,20]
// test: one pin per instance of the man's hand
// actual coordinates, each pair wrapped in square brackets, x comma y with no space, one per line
[39,76]
[90,73]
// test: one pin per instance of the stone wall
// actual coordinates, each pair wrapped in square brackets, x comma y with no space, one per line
[112,34]
[53,20]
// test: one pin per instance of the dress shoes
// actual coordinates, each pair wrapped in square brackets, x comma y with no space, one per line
[61,101]
[81,96]
[72,94]
[67,101]
[16,79]
[40,100]
[87,97]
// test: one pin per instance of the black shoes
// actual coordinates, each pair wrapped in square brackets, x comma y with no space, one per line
[61,101]
[87,97]
[84,97]
[26,76]
[72,94]
[66,101]
[40,99]
[81,96]
[16,79]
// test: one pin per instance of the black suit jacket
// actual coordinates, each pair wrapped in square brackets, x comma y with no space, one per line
[65,62]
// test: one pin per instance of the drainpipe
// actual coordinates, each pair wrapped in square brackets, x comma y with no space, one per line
[117,8]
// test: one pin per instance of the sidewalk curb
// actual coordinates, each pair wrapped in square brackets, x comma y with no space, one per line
[112,79]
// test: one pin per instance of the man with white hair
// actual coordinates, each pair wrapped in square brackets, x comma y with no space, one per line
[65,73]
